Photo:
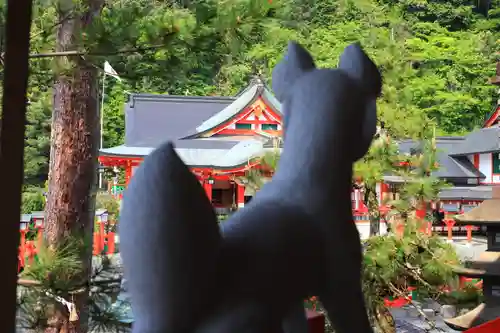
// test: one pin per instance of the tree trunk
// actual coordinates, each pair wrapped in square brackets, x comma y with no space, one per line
[371,202]
[73,156]
[385,321]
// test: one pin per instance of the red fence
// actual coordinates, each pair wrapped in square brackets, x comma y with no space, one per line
[104,242]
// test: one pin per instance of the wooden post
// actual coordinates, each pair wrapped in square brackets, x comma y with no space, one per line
[111,242]
[128,172]
[30,251]
[449,225]
[101,236]
[22,245]
[469,235]
[40,237]
[240,195]
[208,190]
[96,244]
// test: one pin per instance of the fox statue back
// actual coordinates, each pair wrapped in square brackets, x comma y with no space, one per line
[295,239]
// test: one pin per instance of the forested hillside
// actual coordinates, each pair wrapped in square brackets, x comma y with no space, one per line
[436,56]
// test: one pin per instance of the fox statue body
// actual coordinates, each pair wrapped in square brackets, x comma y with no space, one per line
[295,239]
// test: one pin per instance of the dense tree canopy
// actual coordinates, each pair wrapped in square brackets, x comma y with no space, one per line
[436,56]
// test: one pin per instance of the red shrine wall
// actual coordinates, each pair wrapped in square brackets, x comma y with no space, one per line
[489,165]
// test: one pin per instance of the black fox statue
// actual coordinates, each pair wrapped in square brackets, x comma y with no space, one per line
[295,239]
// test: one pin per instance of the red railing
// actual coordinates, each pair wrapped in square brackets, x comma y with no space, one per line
[104,243]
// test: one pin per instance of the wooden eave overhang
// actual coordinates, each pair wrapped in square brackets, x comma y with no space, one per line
[112,160]
[487,213]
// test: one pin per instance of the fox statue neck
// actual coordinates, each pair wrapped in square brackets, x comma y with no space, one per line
[319,173]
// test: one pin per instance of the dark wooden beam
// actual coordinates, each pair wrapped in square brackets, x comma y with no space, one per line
[15,84]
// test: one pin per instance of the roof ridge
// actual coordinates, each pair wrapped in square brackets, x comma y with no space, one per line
[163,97]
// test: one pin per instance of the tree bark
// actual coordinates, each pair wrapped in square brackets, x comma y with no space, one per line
[73,156]
[371,201]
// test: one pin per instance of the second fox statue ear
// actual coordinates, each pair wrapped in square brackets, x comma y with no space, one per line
[295,62]
[359,67]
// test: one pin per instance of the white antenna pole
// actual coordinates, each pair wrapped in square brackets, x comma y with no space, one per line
[101,116]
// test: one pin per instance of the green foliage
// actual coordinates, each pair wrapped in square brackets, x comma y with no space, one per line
[392,264]
[33,200]
[58,273]
[255,178]
[108,202]
[435,56]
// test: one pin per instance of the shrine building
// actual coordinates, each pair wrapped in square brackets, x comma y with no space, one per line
[221,138]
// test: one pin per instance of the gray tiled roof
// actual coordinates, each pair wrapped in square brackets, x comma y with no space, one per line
[153,119]
[484,140]
[450,166]
[229,154]
[470,193]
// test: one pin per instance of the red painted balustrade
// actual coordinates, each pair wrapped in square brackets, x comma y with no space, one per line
[104,243]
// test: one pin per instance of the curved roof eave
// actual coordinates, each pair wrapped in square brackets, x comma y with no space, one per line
[246,99]
[203,166]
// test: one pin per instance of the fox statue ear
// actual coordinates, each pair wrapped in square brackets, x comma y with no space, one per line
[359,67]
[296,62]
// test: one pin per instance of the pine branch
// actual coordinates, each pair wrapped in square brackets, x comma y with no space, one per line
[86,53]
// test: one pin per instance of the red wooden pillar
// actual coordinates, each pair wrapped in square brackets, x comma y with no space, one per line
[102,236]
[240,195]
[95,244]
[22,249]
[128,172]
[449,225]
[208,189]
[110,237]
[469,235]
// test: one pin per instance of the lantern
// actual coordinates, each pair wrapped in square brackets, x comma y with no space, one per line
[102,216]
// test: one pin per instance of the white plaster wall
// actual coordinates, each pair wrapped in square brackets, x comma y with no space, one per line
[364,229]
[485,167]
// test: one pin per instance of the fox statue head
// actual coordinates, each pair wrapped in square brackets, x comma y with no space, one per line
[340,101]
[296,238]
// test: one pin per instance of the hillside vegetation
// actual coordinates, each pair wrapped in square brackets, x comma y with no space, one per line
[435,56]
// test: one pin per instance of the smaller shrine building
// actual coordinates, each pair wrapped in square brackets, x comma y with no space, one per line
[219,138]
